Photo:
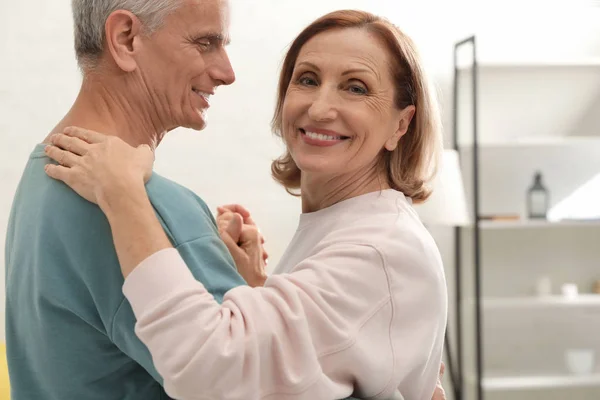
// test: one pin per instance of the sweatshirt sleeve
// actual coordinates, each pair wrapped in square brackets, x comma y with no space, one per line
[305,335]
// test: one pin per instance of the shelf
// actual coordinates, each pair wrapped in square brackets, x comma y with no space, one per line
[535,224]
[540,382]
[582,300]
[592,62]
[537,141]
[500,174]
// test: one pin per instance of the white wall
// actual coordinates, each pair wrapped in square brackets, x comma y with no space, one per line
[229,161]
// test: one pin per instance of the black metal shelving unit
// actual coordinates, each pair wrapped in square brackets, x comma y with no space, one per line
[457,368]
[469,73]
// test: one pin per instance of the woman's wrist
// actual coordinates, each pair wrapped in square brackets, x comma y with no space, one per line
[121,196]
[258,280]
[137,233]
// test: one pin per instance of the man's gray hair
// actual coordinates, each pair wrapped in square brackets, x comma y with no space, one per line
[89,17]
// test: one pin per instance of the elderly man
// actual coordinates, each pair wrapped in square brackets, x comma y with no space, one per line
[70,333]
[148,67]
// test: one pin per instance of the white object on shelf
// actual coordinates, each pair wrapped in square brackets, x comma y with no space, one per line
[540,382]
[582,204]
[580,361]
[582,300]
[569,291]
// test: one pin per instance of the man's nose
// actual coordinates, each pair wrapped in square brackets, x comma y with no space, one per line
[222,71]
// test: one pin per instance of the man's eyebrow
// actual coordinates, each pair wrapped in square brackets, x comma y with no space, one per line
[213,37]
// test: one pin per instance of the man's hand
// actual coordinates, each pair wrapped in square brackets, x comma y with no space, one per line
[440,393]
[245,243]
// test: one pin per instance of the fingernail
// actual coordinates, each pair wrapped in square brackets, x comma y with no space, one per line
[46,148]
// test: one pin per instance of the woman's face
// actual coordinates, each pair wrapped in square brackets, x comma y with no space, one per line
[339,112]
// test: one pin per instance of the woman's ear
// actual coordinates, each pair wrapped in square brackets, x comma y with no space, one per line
[123,31]
[406,116]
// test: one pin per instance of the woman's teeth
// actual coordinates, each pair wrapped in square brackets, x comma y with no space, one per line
[319,136]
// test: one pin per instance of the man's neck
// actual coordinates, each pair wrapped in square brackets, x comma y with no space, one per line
[111,108]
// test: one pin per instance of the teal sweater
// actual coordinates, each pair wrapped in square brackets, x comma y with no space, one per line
[69,330]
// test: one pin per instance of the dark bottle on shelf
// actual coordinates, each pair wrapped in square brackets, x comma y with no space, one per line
[538,198]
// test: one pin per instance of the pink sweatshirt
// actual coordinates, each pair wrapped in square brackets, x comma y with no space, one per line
[358,304]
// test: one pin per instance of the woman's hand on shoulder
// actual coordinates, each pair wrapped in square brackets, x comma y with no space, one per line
[98,167]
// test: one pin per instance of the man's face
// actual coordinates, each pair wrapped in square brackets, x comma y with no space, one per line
[183,62]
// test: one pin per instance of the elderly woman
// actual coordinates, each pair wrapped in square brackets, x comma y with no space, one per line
[358,303]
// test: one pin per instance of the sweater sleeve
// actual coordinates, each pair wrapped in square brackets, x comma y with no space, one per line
[300,337]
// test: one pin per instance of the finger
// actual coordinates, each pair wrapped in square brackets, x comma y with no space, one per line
[226,215]
[68,143]
[85,134]
[237,208]
[240,210]
[235,227]
[442,370]
[224,225]
[58,172]
[62,157]
[147,158]
[225,218]
[250,234]
[228,240]
[147,151]
[225,221]
[250,240]
[236,252]
[439,393]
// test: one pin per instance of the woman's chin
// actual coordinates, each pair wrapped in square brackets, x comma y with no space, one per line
[315,169]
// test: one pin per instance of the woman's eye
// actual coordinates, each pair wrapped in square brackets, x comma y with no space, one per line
[357,89]
[307,80]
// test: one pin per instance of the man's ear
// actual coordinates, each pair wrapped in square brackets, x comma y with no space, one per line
[406,116]
[123,31]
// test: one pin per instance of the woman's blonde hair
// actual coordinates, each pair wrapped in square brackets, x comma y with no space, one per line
[412,165]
